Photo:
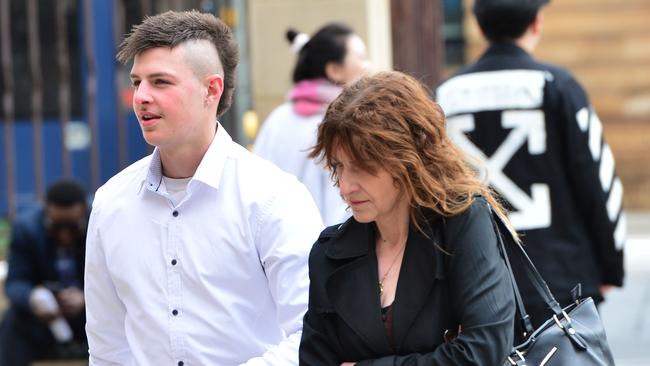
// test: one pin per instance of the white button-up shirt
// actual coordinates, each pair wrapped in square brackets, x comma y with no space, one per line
[219,279]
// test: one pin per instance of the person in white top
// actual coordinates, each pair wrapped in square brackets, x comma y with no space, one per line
[197,254]
[331,58]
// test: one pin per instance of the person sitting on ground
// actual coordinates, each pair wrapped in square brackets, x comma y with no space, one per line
[46,315]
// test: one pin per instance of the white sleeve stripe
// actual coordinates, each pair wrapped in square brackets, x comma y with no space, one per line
[595,135]
[620,232]
[606,168]
[615,200]
[583,118]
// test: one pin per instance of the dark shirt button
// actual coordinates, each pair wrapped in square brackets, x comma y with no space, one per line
[174,262]
[181,363]
[175,312]
[175,213]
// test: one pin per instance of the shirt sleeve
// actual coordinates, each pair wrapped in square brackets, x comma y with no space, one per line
[284,237]
[105,312]
[481,292]
[597,189]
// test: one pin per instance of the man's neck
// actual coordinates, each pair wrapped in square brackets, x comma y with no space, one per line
[182,162]
[527,43]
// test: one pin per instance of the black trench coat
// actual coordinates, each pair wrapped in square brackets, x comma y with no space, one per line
[435,292]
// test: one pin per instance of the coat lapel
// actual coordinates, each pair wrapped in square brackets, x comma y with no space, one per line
[350,287]
[422,265]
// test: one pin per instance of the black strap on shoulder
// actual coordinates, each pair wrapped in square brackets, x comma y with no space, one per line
[524,318]
[531,272]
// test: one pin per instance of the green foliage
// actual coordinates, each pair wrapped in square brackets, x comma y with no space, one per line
[5,230]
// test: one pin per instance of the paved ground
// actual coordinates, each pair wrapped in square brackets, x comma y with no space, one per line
[626,311]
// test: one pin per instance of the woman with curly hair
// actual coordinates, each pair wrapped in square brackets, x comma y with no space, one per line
[415,276]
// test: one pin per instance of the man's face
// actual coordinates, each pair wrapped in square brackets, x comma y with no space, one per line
[170,101]
[66,225]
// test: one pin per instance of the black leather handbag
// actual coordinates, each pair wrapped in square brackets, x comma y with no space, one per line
[573,335]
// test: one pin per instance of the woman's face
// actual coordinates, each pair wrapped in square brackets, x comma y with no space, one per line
[371,196]
[355,63]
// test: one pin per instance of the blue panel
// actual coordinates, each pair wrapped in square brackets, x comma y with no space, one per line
[107,103]
[106,90]
[81,159]
[138,148]
[3,172]
[81,166]
[53,161]
[25,189]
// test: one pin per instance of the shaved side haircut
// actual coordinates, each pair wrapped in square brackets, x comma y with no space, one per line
[172,29]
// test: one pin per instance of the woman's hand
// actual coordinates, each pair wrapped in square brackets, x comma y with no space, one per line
[348,364]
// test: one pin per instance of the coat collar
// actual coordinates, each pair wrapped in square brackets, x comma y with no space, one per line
[353,291]
[351,287]
[351,239]
[506,48]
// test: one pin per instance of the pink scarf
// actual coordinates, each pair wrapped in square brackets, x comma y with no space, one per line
[310,97]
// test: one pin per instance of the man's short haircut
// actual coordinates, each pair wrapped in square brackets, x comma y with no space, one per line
[171,29]
[506,20]
[65,193]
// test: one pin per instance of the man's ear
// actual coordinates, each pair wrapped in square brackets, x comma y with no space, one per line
[538,23]
[334,72]
[214,85]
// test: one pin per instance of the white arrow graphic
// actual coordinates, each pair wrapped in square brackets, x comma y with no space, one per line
[526,126]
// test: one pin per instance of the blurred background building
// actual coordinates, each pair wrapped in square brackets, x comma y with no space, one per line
[66,109]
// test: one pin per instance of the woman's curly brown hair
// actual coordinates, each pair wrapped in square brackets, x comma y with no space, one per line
[389,120]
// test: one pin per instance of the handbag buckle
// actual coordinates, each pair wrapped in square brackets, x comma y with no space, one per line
[568,329]
[521,357]
[557,321]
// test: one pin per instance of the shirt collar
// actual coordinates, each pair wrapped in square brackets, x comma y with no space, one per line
[211,167]
[209,170]
[153,180]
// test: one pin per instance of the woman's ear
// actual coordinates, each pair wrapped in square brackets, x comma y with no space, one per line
[334,72]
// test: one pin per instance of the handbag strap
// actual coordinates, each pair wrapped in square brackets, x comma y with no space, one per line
[531,272]
[523,314]
[538,283]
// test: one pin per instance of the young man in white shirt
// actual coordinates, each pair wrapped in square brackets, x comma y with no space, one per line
[197,254]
